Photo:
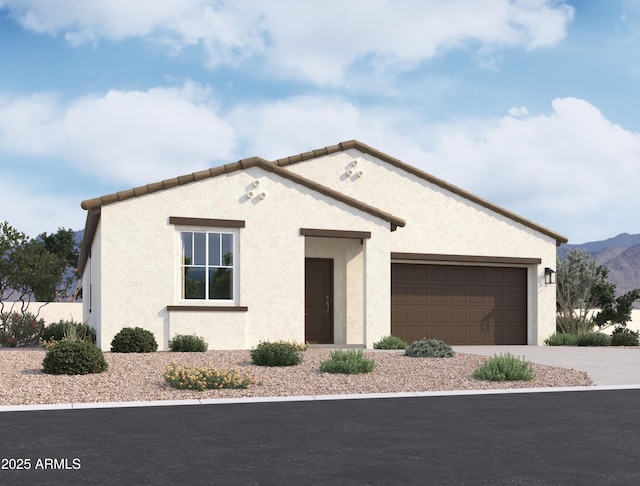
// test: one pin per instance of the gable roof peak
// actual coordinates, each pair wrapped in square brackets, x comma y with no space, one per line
[364,148]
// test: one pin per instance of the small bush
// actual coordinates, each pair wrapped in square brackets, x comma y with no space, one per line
[74,358]
[505,367]
[187,344]
[593,339]
[185,377]
[134,340]
[429,348]
[350,362]
[390,342]
[624,337]
[20,330]
[68,330]
[280,353]
[561,339]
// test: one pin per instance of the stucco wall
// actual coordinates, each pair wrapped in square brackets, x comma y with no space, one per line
[442,222]
[140,273]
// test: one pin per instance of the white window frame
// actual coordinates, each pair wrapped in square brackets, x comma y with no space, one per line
[234,266]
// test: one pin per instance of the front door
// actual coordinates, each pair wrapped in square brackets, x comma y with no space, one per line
[318,289]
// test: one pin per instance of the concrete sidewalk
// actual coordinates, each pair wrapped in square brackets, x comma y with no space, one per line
[605,365]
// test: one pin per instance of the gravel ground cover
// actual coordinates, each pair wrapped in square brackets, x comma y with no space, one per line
[138,377]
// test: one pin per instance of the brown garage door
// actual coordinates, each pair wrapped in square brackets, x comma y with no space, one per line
[459,304]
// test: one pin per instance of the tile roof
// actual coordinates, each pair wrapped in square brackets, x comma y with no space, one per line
[278,167]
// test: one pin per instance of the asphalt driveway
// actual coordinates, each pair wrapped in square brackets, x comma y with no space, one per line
[605,365]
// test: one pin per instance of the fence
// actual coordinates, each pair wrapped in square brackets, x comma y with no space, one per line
[51,312]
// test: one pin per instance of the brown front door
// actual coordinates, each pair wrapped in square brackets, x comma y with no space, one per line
[318,289]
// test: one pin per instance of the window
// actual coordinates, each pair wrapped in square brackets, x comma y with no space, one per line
[207,265]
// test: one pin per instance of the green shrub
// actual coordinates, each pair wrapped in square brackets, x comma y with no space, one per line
[429,348]
[134,340]
[561,339]
[593,339]
[505,367]
[390,342]
[74,358]
[185,377]
[280,353]
[624,337]
[68,330]
[350,362]
[187,344]
[20,330]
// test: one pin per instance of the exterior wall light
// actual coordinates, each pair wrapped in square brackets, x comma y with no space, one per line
[549,276]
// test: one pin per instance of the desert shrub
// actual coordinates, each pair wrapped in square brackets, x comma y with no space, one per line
[350,362]
[73,358]
[279,353]
[624,337]
[593,339]
[134,340]
[390,342]
[185,377]
[70,330]
[188,344]
[505,367]
[20,330]
[429,348]
[561,339]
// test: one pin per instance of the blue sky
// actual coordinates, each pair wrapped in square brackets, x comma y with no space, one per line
[531,104]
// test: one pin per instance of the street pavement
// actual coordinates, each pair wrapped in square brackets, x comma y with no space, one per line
[519,436]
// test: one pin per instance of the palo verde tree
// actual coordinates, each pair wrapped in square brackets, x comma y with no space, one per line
[586,298]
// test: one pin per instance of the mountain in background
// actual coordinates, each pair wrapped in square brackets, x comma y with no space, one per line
[620,254]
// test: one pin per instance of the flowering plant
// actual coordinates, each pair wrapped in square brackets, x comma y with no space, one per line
[185,377]
[20,329]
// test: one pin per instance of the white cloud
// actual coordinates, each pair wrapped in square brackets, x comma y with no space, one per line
[567,169]
[32,207]
[123,136]
[317,41]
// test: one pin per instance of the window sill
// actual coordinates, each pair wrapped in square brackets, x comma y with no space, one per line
[206,308]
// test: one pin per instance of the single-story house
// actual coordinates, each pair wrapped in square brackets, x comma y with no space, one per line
[341,245]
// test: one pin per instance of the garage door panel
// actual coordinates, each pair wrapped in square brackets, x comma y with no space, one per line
[478,295]
[459,305]
[457,295]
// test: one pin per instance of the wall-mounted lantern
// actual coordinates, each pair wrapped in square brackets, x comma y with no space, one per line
[549,276]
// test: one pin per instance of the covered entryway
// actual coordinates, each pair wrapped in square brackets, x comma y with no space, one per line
[318,286]
[459,304]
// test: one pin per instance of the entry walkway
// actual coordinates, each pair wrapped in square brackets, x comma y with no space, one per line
[604,365]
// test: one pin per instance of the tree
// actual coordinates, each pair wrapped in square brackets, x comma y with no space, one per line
[32,269]
[64,246]
[10,240]
[586,298]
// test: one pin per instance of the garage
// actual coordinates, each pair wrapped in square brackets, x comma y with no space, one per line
[459,304]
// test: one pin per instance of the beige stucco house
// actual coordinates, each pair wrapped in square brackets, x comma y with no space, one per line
[341,245]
